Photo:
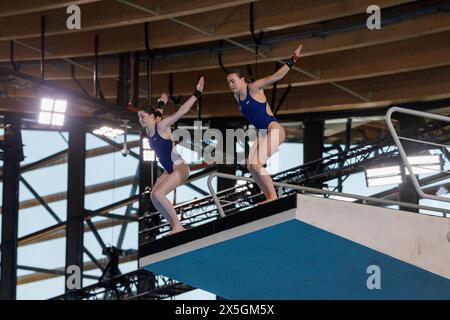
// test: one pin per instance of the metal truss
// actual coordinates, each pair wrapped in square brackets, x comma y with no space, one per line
[357,158]
[136,285]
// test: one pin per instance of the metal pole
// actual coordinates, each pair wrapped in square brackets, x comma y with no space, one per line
[96,66]
[12,156]
[75,195]
[315,191]
[149,66]
[401,149]
[313,136]
[43,47]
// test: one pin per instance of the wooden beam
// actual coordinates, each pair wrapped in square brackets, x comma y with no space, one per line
[320,98]
[15,8]
[62,158]
[118,183]
[39,276]
[404,56]
[219,24]
[422,85]
[104,15]
[314,46]
[360,130]
[61,233]
[89,190]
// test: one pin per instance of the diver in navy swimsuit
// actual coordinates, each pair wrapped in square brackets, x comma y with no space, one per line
[160,139]
[253,105]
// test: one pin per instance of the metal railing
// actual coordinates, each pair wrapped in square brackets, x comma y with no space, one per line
[364,199]
[402,152]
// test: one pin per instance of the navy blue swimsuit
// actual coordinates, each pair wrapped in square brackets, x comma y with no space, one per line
[164,149]
[255,112]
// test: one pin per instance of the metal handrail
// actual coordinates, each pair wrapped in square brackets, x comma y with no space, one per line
[402,150]
[313,190]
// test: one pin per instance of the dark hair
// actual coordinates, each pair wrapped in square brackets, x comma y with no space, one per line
[241,74]
[149,110]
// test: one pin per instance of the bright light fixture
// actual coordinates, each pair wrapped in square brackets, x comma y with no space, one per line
[108,132]
[425,164]
[383,176]
[145,144]
[242,186]
[45,117]
[392,175]
[52,112]
[47,104]
[148,154]
[341,198]
[58,119]
[60,106]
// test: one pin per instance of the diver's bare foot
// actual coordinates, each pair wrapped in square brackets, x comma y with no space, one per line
[267,200]
[175,230]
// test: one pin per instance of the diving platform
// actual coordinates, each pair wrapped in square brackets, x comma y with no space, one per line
[309,247]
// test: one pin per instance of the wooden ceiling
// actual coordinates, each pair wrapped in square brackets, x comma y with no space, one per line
[345,66]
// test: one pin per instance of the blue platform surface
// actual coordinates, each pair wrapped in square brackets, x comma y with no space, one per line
[290,259]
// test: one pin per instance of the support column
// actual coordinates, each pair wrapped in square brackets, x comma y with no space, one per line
[348,143]
[134,77]
[13,154]
[148,175]
[406,191]
[75,195]
[313,136]
[123,85]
